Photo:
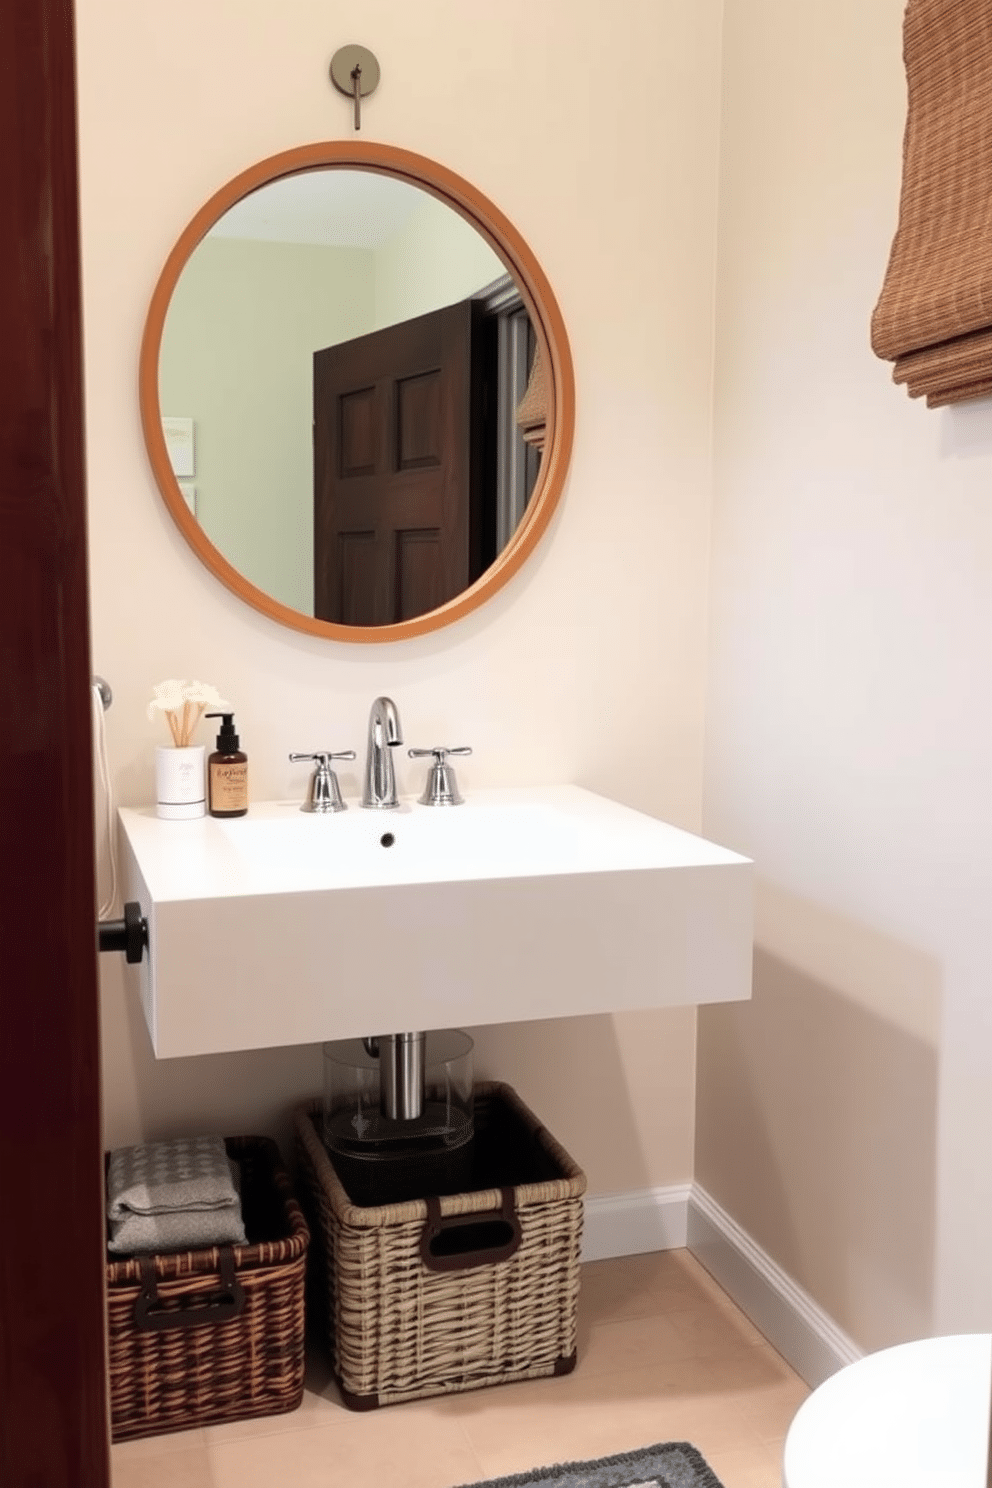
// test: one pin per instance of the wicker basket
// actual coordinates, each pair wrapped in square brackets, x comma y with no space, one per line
[214,1334]
[435,1296]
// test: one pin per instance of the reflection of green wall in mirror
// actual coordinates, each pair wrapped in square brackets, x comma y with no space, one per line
[237,358]
[237,346]
[436,259]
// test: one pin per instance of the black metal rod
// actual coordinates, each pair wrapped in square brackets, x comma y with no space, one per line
[129,935]
[112,935]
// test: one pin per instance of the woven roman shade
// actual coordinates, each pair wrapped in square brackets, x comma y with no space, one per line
[934,316]
[532,410]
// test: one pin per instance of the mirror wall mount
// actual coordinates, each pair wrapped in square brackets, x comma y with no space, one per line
[355,72]
[551,347]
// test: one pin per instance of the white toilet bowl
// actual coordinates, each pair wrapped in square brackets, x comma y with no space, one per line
[915,1416]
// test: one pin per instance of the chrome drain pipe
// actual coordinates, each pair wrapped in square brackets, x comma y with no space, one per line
[401,1074]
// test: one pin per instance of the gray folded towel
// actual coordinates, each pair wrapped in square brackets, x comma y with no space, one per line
[176,1195]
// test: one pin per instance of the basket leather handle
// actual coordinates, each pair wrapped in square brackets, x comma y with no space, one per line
[457,1242]
[227,1304]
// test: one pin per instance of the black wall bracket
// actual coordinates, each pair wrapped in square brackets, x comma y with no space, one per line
[129,935]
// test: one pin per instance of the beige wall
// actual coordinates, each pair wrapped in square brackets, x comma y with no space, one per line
[844,1115]
[589,666]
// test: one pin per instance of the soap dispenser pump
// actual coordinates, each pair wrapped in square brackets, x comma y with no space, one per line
[227,772]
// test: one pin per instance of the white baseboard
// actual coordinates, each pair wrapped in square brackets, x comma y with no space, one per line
[668,1218]
[805,1336]
[632,1223]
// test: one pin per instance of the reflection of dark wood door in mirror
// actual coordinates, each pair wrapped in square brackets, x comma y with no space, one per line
[393,470]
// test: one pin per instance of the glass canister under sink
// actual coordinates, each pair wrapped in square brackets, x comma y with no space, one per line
[381,1154]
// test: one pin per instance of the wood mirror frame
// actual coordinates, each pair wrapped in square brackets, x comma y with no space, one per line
[540,304]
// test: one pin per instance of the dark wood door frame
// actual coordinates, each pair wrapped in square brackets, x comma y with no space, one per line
[53,1389]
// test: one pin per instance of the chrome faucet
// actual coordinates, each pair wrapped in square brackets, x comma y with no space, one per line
[379,791]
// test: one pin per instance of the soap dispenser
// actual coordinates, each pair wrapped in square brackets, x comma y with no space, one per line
[227,772]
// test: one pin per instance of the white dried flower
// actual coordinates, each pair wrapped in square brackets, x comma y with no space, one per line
[168,698]
[203,693]
[183,704]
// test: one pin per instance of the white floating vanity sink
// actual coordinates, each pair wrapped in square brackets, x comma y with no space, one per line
[283,927]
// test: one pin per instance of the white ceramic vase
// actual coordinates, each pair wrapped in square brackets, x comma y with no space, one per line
[180,792]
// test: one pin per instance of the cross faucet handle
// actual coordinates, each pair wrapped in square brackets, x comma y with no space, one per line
[441,788]
[323,792]
[323,755]
[439,751]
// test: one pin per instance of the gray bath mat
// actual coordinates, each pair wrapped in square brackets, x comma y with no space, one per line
[668,1465]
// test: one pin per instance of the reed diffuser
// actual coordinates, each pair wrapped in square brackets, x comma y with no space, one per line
[184,704]
[180,792]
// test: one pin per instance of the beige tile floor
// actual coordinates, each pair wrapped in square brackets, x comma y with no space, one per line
[663,1355]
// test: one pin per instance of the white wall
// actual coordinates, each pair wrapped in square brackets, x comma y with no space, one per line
[844,1116]
[589,665]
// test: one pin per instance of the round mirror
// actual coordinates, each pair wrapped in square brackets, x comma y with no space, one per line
[356,392]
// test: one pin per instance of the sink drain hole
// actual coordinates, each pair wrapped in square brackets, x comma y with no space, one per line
[387,839]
